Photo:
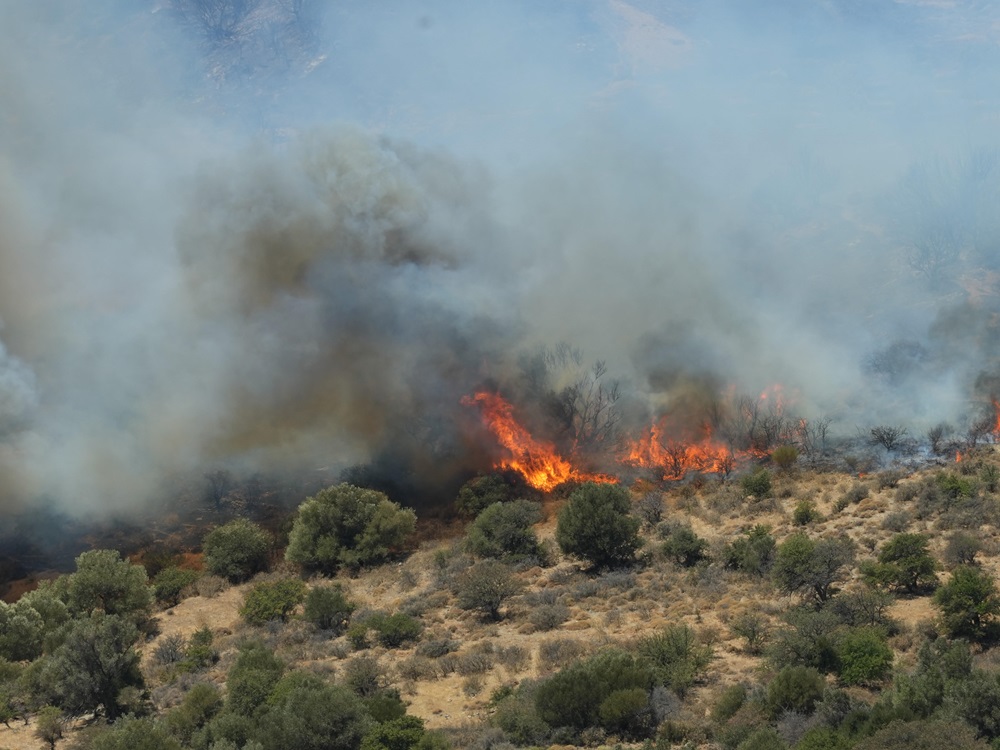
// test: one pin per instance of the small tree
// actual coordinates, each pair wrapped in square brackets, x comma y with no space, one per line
[962,548]
[753,628]
[237,550]
[969,604]
[94,665]
[252,678]
[864,656]
[903,562]
[595,525]
[751,553]
[49,725]
[813,567]
[684,547]
[105,582]
[887,436]
[486,586]
[504,530]
[347,525]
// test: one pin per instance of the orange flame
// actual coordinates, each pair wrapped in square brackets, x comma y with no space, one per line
[542,467]
[996,419]
[676,458]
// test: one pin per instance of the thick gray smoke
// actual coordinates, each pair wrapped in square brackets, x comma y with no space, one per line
[264,234]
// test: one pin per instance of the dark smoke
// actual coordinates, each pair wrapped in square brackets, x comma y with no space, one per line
[278,236]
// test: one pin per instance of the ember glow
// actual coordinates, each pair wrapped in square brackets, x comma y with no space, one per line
[536,460]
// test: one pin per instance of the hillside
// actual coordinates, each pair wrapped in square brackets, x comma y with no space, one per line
[452,676]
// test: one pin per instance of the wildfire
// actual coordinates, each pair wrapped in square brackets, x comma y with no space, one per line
[676,458]
[538,461]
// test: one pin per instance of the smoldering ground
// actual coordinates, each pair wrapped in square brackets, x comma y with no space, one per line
[297,234]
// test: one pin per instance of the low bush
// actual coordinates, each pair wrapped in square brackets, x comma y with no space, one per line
[169,584]
[272,600]
[757,483]
[237,550]
[393,631]
[327,608]
[548,616]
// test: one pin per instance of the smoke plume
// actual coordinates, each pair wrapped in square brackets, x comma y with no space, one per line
[271,235]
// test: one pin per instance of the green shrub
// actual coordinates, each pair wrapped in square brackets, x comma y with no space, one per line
[903,563]
[923,735]
[348,526]
[969,604]
[753,628]
[752,553]
[199,652]
[626,712]
[757,483]
[395,630]
[684,547]
[573,696]
[479,493]
[954,486]
[404,733]
[518,717]
[823,738]
[785,456]
[729,702]
[327,608]
[962,548]
[801,564]
[485,587]
[104,581]
[676,656]
[251,679]
[131,733]
[170,582]
[794,689]
[864,656]
[504,530]
[237,550]
[765,738]
[595,525]
[805,513]
[272,600]
[310,717]
[202,702]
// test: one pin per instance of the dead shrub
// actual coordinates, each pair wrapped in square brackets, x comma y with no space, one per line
[558,652]
[548,616]
[210,586]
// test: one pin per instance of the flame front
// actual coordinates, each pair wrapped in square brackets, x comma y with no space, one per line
[536,460]
[676,458]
